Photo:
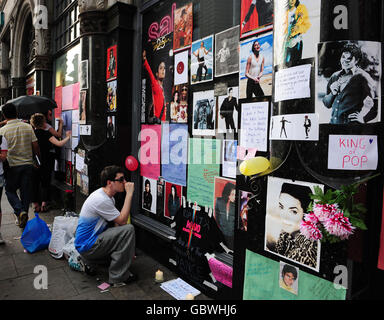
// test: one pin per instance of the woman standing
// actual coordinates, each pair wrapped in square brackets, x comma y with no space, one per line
[254,71]
[42,176]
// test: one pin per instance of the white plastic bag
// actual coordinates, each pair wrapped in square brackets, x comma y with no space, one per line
[63,230]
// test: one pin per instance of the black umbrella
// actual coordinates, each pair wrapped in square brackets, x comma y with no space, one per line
[29,105]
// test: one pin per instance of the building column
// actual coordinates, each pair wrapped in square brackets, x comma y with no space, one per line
[93,35]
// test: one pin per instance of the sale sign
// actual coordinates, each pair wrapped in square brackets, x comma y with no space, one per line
[352,152]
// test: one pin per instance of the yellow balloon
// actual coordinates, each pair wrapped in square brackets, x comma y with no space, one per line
[254,166]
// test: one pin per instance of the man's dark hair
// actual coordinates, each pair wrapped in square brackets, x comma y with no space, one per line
[9,111]
[287,268]
[353,49]
[109,173]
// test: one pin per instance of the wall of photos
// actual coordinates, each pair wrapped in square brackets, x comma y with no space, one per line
[265,79]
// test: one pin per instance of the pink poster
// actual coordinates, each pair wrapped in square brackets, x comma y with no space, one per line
[67,97]
[380,263]
[76,95]
[150,151]
[58,99]
[221,271]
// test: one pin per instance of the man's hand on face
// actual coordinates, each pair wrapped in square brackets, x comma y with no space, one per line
[129,188]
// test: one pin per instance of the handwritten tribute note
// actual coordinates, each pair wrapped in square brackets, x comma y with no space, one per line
[254,125]
[261,282]
[203,166]
[352,152]
[292,83]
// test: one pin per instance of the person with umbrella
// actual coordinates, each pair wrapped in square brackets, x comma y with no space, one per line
[42,176]
[22,146]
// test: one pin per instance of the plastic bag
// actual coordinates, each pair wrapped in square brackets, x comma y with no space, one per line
[64,229]
[74,260]
[36,235]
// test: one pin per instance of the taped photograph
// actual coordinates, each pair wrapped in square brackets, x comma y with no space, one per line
[226,52]
[287,202]
[349,82]
[204,113]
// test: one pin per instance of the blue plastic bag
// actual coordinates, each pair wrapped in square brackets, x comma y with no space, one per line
[36,235]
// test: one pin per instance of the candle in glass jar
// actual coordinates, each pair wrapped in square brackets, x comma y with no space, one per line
[159,276]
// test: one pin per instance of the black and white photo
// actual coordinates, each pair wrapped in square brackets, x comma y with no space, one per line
[226,52]
[204,113]
[348,82]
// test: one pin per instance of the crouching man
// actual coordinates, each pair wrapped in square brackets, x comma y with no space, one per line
[98,244]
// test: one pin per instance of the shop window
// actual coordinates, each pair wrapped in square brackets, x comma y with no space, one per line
[66,25]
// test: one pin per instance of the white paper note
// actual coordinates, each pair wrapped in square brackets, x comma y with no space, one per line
[352,152]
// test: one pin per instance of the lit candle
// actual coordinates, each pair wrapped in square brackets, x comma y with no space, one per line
[159,276]
[189,296]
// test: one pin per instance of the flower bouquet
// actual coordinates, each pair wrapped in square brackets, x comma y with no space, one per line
[333,216]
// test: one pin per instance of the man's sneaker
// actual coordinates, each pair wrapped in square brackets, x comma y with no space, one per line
[23,219]
[1,239]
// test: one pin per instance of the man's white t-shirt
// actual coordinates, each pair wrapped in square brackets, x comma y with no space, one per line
[95,214]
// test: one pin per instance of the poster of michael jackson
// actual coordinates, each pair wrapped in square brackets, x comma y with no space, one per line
[296,31]
[256,16]
[183,26]
[158,60]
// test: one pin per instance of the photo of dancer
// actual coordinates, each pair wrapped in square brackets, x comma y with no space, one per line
[202,60]
[183,20]
[149,194]
[256,16]
[173,198]
[224,208]
[296,31]
[349,85]
[226,52]
[256,67]
[228,111]
[157,109]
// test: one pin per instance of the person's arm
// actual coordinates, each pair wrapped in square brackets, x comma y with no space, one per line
[36,148]
[60,143]
[3,155]
[3,123]
[126,210]
[249,13]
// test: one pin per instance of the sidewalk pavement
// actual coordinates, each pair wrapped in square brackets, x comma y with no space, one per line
[17,271]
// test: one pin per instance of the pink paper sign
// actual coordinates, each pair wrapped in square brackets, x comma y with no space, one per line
[76,95]
[150,151]
[221,272]
[67,98]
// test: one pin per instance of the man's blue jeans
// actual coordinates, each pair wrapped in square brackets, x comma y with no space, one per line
[19,177]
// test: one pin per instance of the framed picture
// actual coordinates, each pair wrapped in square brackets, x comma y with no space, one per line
[202,60]
[83,71]
[226,52]
[112,63]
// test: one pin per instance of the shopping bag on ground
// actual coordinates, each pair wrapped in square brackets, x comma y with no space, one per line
[63,230]
[36,235]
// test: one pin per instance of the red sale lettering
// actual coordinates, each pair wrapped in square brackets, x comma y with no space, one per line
[157,30]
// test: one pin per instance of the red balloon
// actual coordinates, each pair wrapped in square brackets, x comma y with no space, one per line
[131,163]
